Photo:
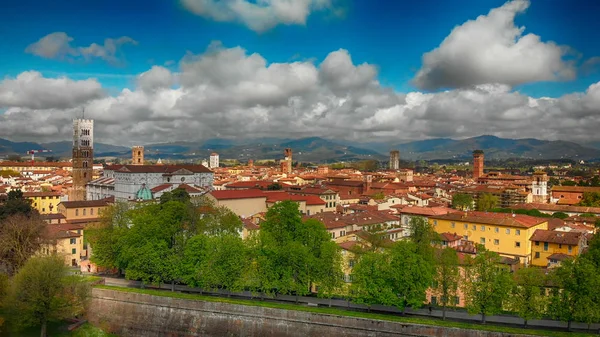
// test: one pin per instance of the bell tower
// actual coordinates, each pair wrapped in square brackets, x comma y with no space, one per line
[83,157]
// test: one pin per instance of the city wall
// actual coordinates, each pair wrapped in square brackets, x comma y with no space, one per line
[132,314]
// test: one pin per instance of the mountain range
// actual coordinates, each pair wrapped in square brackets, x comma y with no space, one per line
[316,149]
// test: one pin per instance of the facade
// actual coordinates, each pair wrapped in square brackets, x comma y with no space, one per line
[507,196]
[394,160]
[66,240]
[213,160]
[244,203]
[82,212]
[405,175]
[83,157]
[570,195]
[330,197]
[44,202]
[552,247]
[505,234]
[28,166]
[128,182]
[137,155]
[539,187]
[477,164]
[286,163]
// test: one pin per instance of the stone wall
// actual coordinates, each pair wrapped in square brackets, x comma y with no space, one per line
[132,314]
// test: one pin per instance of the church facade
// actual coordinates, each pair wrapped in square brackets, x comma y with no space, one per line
[135,182]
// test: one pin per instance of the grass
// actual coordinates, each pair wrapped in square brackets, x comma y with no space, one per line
[57,329]
[87,330]
[341,312]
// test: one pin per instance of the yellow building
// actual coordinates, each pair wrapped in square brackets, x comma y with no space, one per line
[503,233]
[66,241]
[550,248]
[82,212]
[44,202]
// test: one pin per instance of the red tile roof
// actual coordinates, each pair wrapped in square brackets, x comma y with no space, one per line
[565,238]
[238,194]
[490,218]
[85,203]
[190,189]
[41,194]
[160,188]
[165,169]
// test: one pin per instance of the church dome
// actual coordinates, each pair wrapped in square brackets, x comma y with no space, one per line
[144,193]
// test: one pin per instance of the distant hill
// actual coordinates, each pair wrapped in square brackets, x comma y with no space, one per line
[316,149]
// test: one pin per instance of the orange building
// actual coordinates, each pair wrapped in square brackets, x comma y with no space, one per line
[477,164]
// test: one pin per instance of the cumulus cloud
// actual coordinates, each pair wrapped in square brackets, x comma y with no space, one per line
[57,45]
[492,49]
[228,92]
[257,15]
[33,91]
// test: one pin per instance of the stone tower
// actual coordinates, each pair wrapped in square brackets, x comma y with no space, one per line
[539,187]
[213,160]
[83,157]
[395,160]
[137,155]
[477,164]
[286,163]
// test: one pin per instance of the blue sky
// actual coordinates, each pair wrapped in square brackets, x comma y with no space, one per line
[390,34]
[360,70]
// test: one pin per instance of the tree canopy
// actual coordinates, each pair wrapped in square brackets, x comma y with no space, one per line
[462,201]
[486,202]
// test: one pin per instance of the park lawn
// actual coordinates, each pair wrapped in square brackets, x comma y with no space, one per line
[349,313]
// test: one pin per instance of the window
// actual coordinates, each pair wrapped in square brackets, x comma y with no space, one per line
[74,251]
[570,249]
[452,224]
[351,263]
[43,209]
[76,212]
[545,246]
[333,235]
[482,241]
[91,211]
[456,300]
[537,255]
[508,231]
[497,230]
[559,245]
[73,241]
[517,232]
[483,228]
[496,242]
[517,244]
[435,222]
[433,300]
[537,243]
[84,211]
[466,226]
[474,227]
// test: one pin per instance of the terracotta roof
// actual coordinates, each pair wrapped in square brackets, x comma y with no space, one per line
[160,188]
[450,237]
[238,194]
[500,219]
[190,189]
[348,245]
[559,208]
[83,221]
[559,257]
[578,189]
[41,194]
[424,211]
[52,216]
[84,203]
[565,238]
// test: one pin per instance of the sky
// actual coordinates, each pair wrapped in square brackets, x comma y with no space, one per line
[161,71]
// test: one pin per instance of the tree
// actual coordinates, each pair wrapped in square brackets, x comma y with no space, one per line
[423,235]
[43,290]
[274,187]
[527,298]
[106,238]
[575,295]
[486,285]
[21,237]
[486,202]
[371,283]
[221,266]
[178,194]
[411,273]
[447,276]
[3,292]
[560,215]
[16,204]
[462,201]
[568,183]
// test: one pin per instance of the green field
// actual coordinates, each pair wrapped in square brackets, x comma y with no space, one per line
[340,312]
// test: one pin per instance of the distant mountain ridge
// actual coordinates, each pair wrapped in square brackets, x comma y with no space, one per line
[317,149]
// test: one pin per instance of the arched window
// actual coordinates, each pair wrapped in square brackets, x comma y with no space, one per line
[139,153]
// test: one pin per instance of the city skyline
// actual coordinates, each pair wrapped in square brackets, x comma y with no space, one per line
[336,69]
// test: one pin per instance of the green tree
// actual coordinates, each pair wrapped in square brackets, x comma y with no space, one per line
[221,266]
[16,204]
[575,296]
[462,201]
[43,290]
[447,277]
[274,187]
[486,284]
[423,235]
[486,202]
[178,194]
[560,215]
[527,298]
[210,219]
[411,273]
[107,237]
[371,282]
[568,183]
[21,236]
[3,292]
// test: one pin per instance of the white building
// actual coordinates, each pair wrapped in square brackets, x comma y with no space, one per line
[133,182]
[214,160]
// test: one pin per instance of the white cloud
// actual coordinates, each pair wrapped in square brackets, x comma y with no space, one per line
[228,92]
[31,90]
[257,15]
[492,49]
[57,45]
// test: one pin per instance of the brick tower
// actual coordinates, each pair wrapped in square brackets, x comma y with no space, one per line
[395,160]
[83,157]
[477,164]
[137,155]
[286,163]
